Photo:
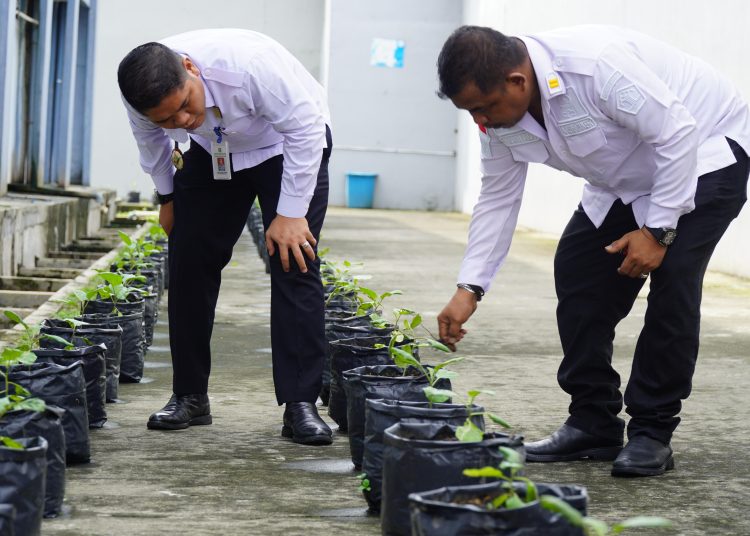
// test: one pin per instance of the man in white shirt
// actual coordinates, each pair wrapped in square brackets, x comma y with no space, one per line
[662,140]
[239,97]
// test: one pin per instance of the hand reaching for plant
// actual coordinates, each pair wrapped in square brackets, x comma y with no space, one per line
[454,316]
[291,234]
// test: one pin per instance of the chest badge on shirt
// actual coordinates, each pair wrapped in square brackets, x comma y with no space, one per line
[553,83]
[630,99]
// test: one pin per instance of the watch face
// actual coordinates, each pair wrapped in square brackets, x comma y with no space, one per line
[669,236]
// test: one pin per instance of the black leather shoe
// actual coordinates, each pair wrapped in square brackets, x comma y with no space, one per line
[569,444]
[643,456]
[180,412]
[302,424]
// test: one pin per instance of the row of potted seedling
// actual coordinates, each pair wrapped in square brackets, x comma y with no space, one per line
[57,379]
[428,465]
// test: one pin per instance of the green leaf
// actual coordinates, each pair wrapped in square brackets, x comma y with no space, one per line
[9,356]
[438,395]
[13,317]
[32,404]
[403,359]
[385,295]
[514,502]
[510,455]
[10,443]
[448,362]
[497,420]
[27,358]
[369,293]
[557,505]
[111,278]
[125,238]
[531,491]
[484,472]
[416,321]
[595,527]
[499,501]
[81,295]
[446,374]
[437,345]
[469,432]
[641,521]
[65,342]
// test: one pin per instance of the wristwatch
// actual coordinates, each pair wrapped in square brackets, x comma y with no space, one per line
[476,289]
[664,235]
[164,198]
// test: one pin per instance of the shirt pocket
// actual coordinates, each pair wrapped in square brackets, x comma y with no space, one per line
[530,152]
[587,142]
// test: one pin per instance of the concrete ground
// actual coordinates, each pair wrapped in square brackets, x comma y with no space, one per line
[239,477]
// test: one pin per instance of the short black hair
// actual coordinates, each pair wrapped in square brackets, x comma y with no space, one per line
[149,73]
[476,54]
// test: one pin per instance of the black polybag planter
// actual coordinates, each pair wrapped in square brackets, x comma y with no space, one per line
[94,372]
[344,326]
[421,456]
[65,387]
[381,414]
[131,357]
[347,354]
[342,302]
[111,337]
[7,518]
[22,479]
[46,424]
[446,512]
[383,381]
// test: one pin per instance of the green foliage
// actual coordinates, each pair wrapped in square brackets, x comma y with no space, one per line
[364,482]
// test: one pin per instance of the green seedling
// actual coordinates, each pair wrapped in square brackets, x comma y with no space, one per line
[364,482]
[508,472]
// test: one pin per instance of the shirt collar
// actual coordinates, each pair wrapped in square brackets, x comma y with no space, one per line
[550,83]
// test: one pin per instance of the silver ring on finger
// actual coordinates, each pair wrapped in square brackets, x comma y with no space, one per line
[305,244]
[643,275]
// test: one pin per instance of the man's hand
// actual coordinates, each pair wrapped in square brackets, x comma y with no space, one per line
[166,217]
[291,234]
[454,315]
[643,254]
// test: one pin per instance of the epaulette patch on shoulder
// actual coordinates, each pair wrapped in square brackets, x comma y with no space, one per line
[630,99]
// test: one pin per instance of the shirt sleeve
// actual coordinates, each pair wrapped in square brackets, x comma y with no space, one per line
[155,149]
[495,215]
[277,94]
[634,96]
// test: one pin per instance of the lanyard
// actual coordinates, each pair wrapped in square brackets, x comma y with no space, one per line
[218,130]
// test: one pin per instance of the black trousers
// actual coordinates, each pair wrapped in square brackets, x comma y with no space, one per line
[593,298]
[209,217]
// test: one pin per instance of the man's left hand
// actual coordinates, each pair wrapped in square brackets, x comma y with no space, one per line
[291,234]
[643,254]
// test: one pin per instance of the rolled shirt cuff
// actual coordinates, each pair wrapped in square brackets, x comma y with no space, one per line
[293,207]
[164,183]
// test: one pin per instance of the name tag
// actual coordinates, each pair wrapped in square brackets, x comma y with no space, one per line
[220,161]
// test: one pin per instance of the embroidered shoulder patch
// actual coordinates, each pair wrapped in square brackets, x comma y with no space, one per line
[517,138]
[630,99]
[610,84]
[579,126]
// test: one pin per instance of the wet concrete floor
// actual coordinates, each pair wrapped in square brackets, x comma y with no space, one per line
[239,477]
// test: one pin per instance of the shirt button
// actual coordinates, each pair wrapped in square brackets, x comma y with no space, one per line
[207,71]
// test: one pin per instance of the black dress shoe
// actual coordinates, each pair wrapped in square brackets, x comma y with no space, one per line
[302,424]
[643,456]
[569,444]
[180,412]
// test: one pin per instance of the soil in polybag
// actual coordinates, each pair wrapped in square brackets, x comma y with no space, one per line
[381,414]
[111,337]
[383,381]
[463,511]
[347,354]
[64,387]
[94,371]
[47,424]
[131,356]
[22,475]
[425,456]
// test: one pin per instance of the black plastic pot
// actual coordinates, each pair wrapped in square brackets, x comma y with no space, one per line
[46,424]
[65,387]
[381,414]
[340,326]
[347,354]
[342,302]
[133,344]
[22,475]
[425,456]
[111,337]
[456,511]
[7,518]
[94,371]
[383,381]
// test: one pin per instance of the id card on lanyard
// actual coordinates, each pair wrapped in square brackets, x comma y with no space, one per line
[220,155]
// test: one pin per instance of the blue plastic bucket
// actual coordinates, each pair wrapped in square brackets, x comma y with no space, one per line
[360,189]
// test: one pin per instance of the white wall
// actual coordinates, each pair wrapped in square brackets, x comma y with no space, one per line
[714,31]
[125,24]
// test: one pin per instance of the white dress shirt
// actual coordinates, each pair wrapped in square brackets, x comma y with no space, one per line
[638,119]
[269,105]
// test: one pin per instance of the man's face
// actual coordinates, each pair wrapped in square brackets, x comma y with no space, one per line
[501,107]
[184,107]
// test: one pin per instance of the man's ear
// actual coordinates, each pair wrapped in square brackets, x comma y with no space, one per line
[190,67]
[517,79]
